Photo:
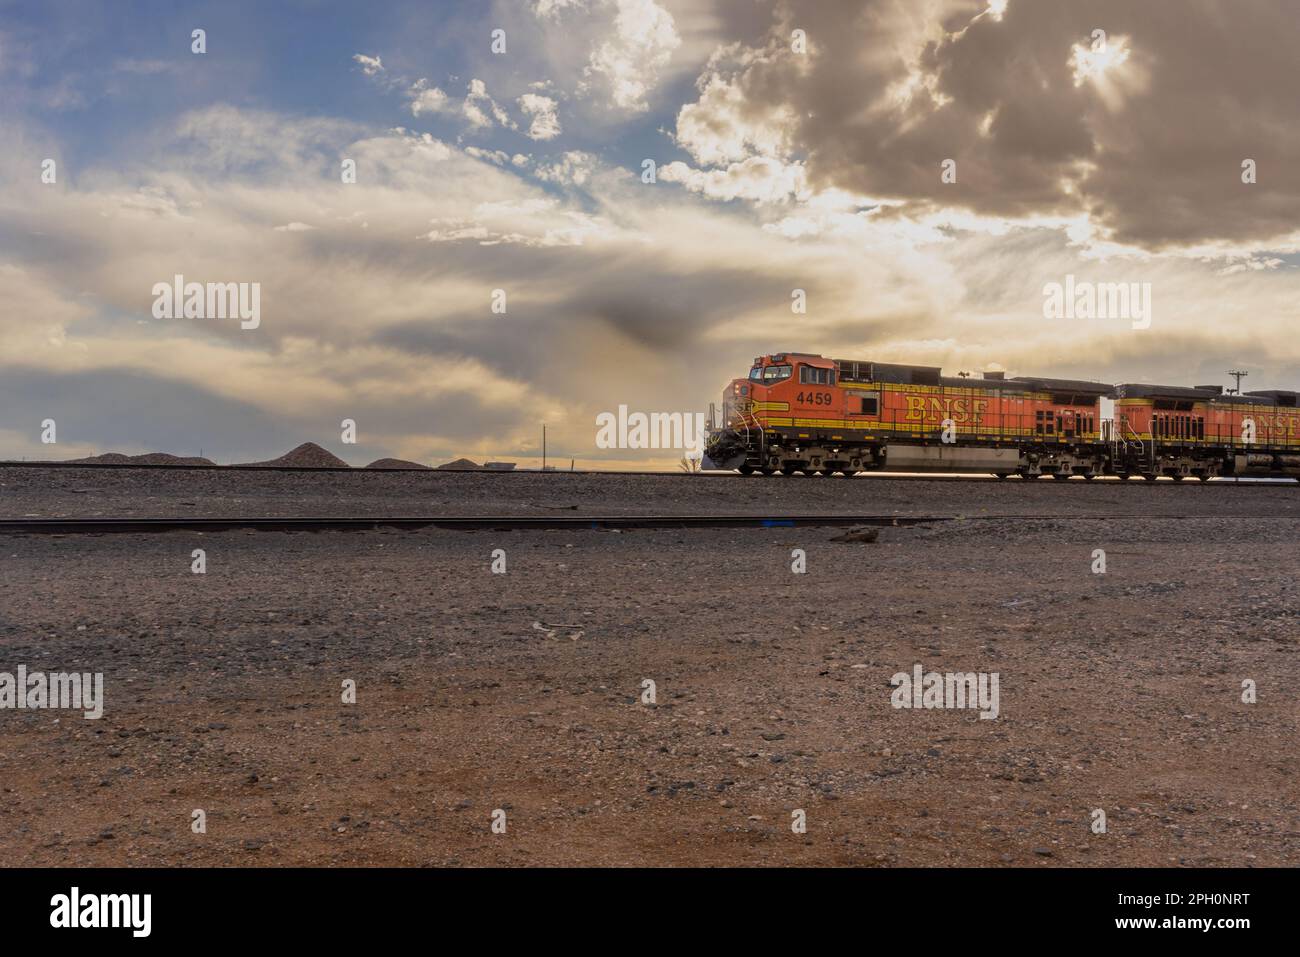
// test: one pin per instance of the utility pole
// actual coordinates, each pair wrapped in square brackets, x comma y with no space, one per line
[543,446]
[1238,375]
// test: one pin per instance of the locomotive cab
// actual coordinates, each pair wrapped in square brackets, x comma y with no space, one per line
[766,382]
[775,383]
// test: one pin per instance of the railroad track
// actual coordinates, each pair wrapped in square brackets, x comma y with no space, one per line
[504,473]
[100,526]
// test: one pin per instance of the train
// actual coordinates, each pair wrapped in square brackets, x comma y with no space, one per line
[801,413]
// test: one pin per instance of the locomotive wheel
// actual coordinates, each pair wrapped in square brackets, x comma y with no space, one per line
[788,470]
[1149,478]
[1001,476]
[746,470]
[1059,476]
[1089,476]
[768,472]
[1177,478]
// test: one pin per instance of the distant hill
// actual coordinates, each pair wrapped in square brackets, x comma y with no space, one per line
[460,464]
[148,458]
[309,455]
[395,464]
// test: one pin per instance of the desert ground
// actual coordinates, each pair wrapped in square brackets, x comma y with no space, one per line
[523,692]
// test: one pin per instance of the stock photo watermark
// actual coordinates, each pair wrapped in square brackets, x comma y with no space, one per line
[24,690]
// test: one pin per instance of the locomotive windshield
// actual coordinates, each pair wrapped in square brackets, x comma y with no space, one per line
[773,373]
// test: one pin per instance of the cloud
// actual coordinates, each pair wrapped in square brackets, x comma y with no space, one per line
[553,8]
[370,65]
[628,62]
[1145,136]
[481,110]
[573,168]
[729,124]
[422,98]
[759,179]
[478,108]
[541,110]
[499,157]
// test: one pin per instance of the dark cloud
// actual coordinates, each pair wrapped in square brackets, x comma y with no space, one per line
[127,411]
[1154,147]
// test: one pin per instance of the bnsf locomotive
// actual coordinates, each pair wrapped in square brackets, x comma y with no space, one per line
[804,413]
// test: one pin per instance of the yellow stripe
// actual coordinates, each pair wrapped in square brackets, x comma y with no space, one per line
[1014,392]
[912,428]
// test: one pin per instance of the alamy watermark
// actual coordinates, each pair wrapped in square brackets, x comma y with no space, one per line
[1098,300]
[37,690]
[75,909]
[933,689]
[214,300]
[653,430]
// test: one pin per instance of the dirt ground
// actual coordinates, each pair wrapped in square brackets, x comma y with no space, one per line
[523,691]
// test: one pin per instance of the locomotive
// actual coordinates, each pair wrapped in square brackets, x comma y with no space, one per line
[803,413]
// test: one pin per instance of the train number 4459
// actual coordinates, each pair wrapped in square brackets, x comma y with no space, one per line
[814,398]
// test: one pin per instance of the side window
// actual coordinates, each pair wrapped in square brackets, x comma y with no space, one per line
[811,375]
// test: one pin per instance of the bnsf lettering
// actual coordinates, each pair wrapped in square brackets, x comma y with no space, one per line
[934,409]
[1278,423]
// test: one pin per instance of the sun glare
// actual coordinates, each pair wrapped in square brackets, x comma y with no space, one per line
[1095,61]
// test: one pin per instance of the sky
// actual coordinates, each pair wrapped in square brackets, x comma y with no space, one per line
[920,169]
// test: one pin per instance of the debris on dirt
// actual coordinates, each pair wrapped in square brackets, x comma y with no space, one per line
[575,631]
[858,533]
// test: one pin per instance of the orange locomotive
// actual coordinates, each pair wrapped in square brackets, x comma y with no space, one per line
[797,412]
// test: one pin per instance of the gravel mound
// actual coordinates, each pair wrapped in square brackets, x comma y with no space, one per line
[395,464]
[148,458]
[309,455]
[460,464]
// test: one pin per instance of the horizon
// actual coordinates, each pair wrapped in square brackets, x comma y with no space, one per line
[912,184]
